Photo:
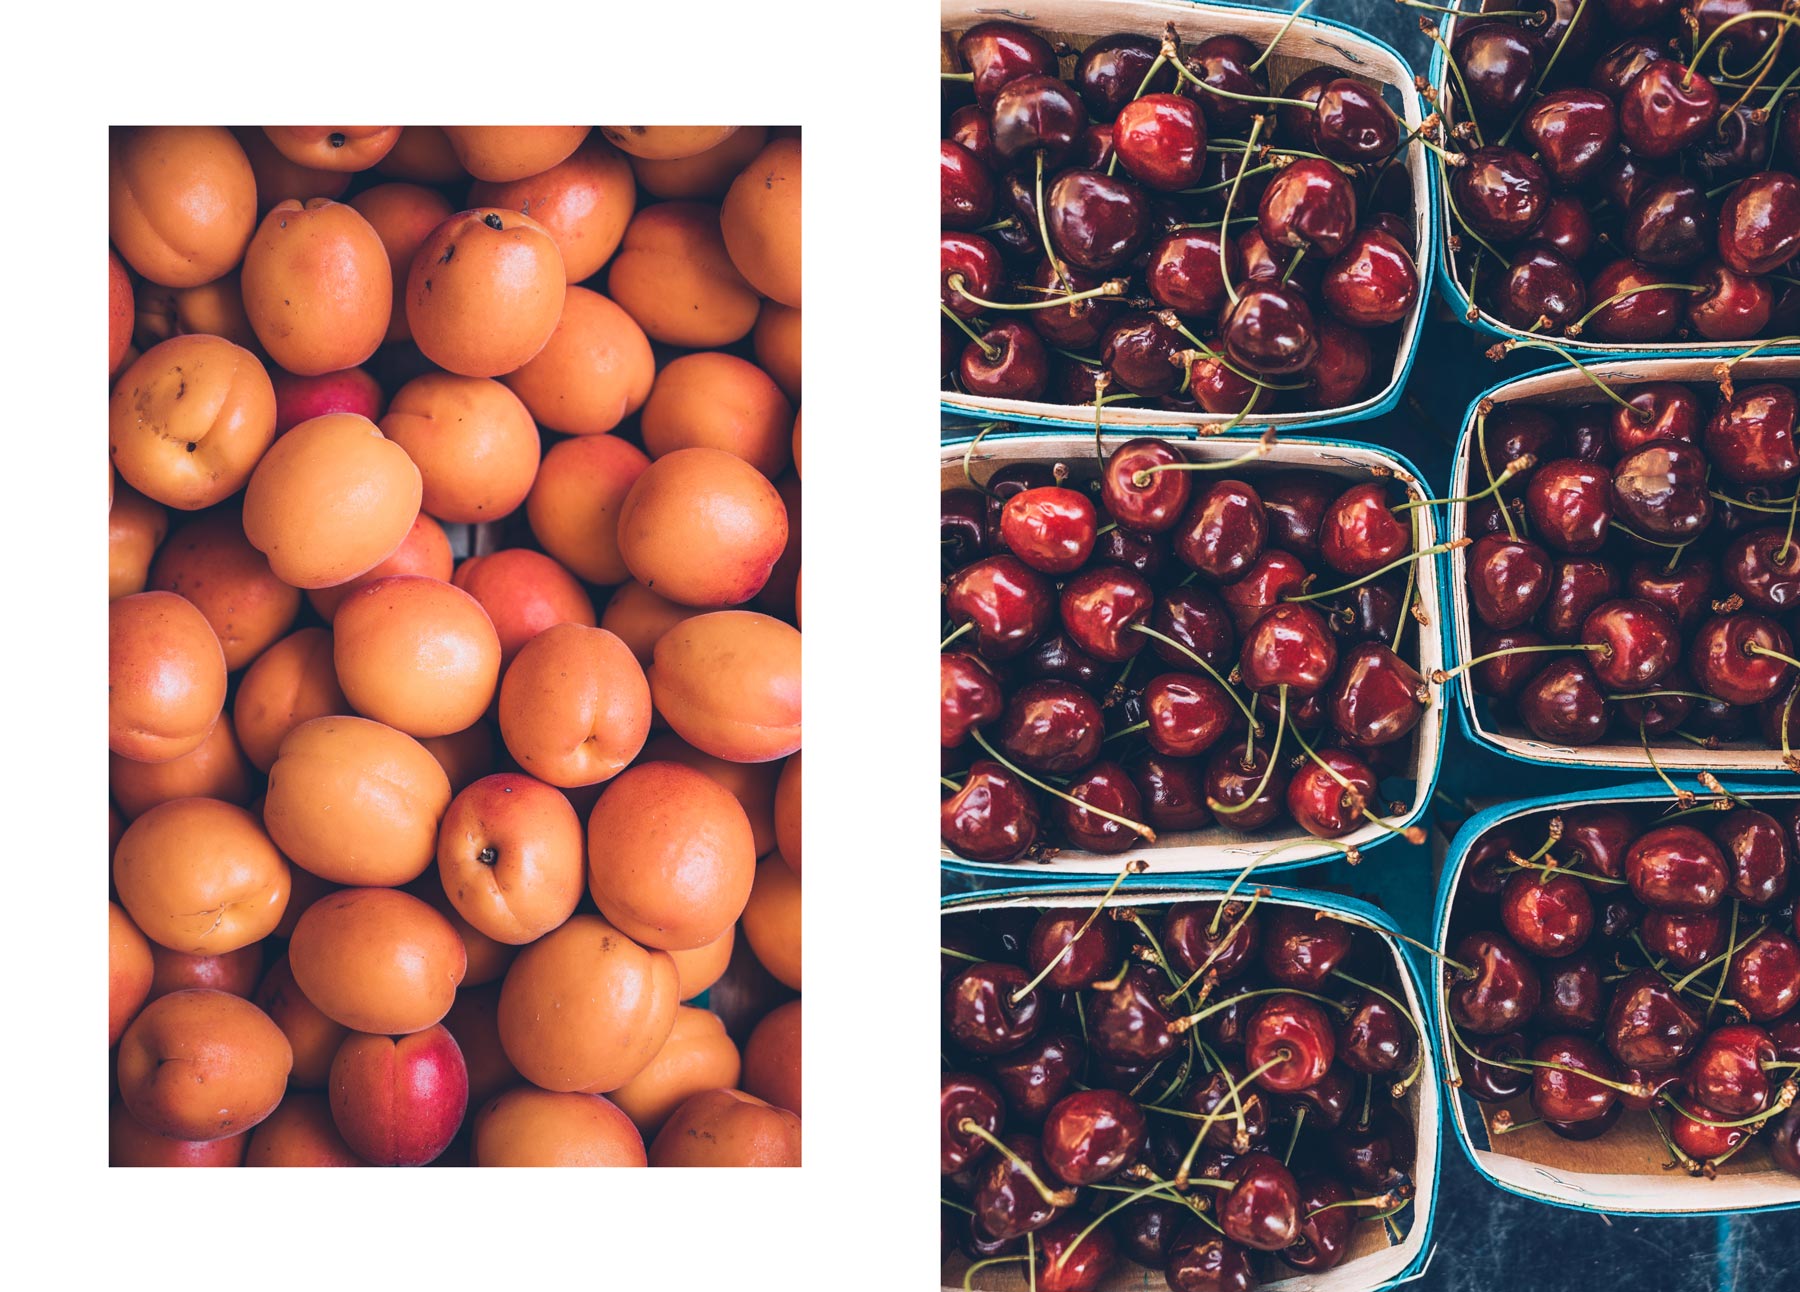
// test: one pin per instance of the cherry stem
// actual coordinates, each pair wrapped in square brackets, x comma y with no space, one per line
[1051,1197]
[1062,270]
[1131,1196]
[960,955]
[957,76]
[1412,833]
[1683,797]
[1393,1198]
[1463,971]
[989,350]
[1412,583]
[949,784]
[1732,946]
[1539,344]
[1285,28]
[1430,30]
[1645,538]
[1749,15]
[1747,505]
[1524,462]
[1182,1024]
[1755,648]
[1408,559]
[1223,184]
[1136,866]
[1143,475]
[1173,321]
[1230,201]
[1441,676]
[1255,725]
[1574,329]
[1481,416]
[1293,264]
[1187,75]
[1225,809]
[1293,1143]
[1783,1099]
[1113,287]
[968,626]
[1187,984]
[1148,835]
[1133,729]
[1418,1035]
[1547,871]
[1235,1090]
[1760,69]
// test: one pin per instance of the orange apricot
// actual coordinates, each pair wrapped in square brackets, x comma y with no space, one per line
[667,142]
[727,1128]
[752,784]
[300,1132]
[719,401]
[313,1037]
[278,179]
[135,528]
[418,654]
[165,677]
[697,1056]
[232,971]
[216,309]
[292,682]
[425,550]
[574,706]
[484,292]
[509,857]
[524,592]
[201,1065]
[130,970]
[181,202]
[772,919]
[584,202]
[772,1058]
[464,755]
[705,174]
[377,960]
[210,562]
[190,420]
[317,286]
[761,222]
[423,155]
[200,876]
[787,812]
[334,148]
[403,216]
[702,527]
[640,617]
[121,310]
[473,441]
[729,684]
[307,889]
[674,276]
[595,371]
[129,1144]
[574,504]
[488,957]
[499,154]
[216,769]
[531,1127]
[777,345]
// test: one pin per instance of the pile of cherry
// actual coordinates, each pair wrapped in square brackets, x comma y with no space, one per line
[1199,1087]
[1171,646]
[1609,962]
[1624,170]
[1157,226]
[1641,577]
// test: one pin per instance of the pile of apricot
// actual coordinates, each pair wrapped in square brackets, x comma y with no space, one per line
[454,646]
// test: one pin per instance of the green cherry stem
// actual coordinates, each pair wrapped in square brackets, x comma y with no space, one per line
[1144,831]
[1231,201]
[1051,1197]
[1255,724]
[1136,866]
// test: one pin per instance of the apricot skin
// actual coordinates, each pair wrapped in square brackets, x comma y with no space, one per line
[524,592]
[425,550]
[574,504]
[234,971]
[165,677]
[667,143]
[317,286]
[673,275]
[278,179]
[761,222]
[697,1056]
[719,401]
[473,441]
[702,527]
[700,968]
[130,970]
[135,528]
[772,920]
[509,857]
[210,563]
[772,1058]
[728,683]
[334,148]
[377,960]
[417,654]
[531,1127]
[752,784]
[398,1101]
[594,371]
[639,617]
[787,812]
[292,682]
[129,1144]
[423,155]
[120,310]
[704,174]
[777,343]
[500,154]
[201,1065]
[313,1037]
[300,1133]
[201,876]
[727,1128]
[574,706]
[584,202]
[403,216]
[484,292]
[182,202]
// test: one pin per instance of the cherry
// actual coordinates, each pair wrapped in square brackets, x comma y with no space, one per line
[1140,350]
[1375,1037]
[1504,991]
[1763,567]
[1070,951]
[1008,602]
[1670,223]
[1727,658]
[1075,324]
[966,188]
[969,696]
[1096,221]
[1660,490]
[1656,410]
[1784,1142]
[1173,791]
[1001,52]
[1616,68]
[1100,605]
[1308,205]
[1187,713]
[1759,854]
[1328,1102]
[1638,641]
[1202,1260]
[1750,438]
[1339,373]
[1216,388]
[1199,621]
[966,1097]
[1037,113]
[1677,868]
[1684,591]
[1328,796]
[1727,1072]
[1353,124]
[1128,1023]
[1578,585]
[1765,976]
[1665,109]
[1146,1230]
[1378,697]
[984,1013]
[1007,362]
[1737,146]
[1187,272]
[1239,779]
[1494,1082]
[1264,263]
[1227,63]
[1220,937]
[1547,915]
[1107,787]
[976,264]
[1359,533]
[1500,192]
[1574,133]
[1148,555]
[1498,66]
[1635,306]
[1759,225]
[1696,1138]
[1239,1113]
[1372,1152]
[1295,503]
[1050,529]
[1539,283]
[1295,118]
[993,817]
[1685,941]
[1054,657]
[1289,646]
[1270,578]
[969,126]
[1090,1135]
[1301,950]
[1037,1074]
[1262,1211]
[1574,995]
[1138,497]
[1648,1026]
[1566,228]
[1508,580]
[1070,1257]
[1270,330]
[1009,1199]
[1563,704]
[1505,669]
[1569,503]
[1223,530]
[1110,70]
[1161,141]
[1561,1095]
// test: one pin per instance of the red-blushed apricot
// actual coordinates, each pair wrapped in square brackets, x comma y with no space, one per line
[208,561]
[135,528]
[129,1144]
[313,1037]
[595,371]
[130,969]
[423,155]
[667,142]
[752,784]
[377,960]
[424,551]
[181,202]
[787,812]
[702,527]
[700,968]
[300,1133]
[585,1007]
[331,499]
[777,345]
[484,292]
[780,594]
[761,222]
[334,148]
[530,1127]
[474,1020]
[464,755]
[190,420]
[772,919]
[292,682]
[719,401]
[640,617]
[697,1056]
[398,1100]
[729,684]
[200,876]
[417,654]
[673,275]
[488,958]
[705,174]
[727,1128]
[356,802]
[574,505]
[300,399]
[584,202]
[403,216]
[499,154]
[233,971]
[524,592]
[574,706]
[473,441]
[121,309]
[165,677]
[317,286]
[509,857]
[307,888]
[201,1065]
[278,179]
[772,1058]
[670,856]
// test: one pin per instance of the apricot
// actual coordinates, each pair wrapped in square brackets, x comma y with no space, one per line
[674,276]
[464,755]
[300,1133]
[121,310]
[181,202]
[697,1056]
[727,1128]
[425,551]
[200,876]
[761,221]
[165,677]
[772,919]
[787,812]
[752,784]
[377,960]
[423,155]
[201,1065]
[334,148]
[524,592]
[129,1144]
[190,420]
[640,617]
[403,216]
[356,802]
[531,1127]
[595,371]
[719,401]
[574,505]
[772,1058]
[317,286]
[278,179]
[705,174]
[232,971]
[313,1037]
[574,706]
[667,142]
[499,154]
[777,346]
[216,308]
[210,563]
[130,970]
[307,888]
[292,682]
[398,1100]
[729,685]
[702,527]
[488,958]
[585,1007]
[474,1020]
[417,654]
[700,968]
[300,399]
[484,292]
[670,856]
[584,202]
[332,499]
[135,528]
[509,857]
[473,441]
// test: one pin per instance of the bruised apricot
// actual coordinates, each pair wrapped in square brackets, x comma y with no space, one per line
[719,401]
[130,969]
[705,174]
[201,1065]
[673,275]
[777,345]
[640,617]
[356,802]
[317,286]
[121,309]
[697,1056]
[502,153]
[423,155]
[129,1144]
[135,528]
[417,654]
[772,919]
[761,222]
[729,684]
[531,1127]
[398,1100]
[702,527]
[509,857]
[700,968]
[278,179]
[574,504]
[574,706]
[584,202]
[752,784]
[377,960]
[727,1128]
[165,677]
[190,420]
[313,1037]
[772,1058]
[523,592]
[292,682]
[334,148]
[200,876]
[484,292]
[232,971]
[595,371]
[332,499]
[667,142]
[787,812]
[210,563]
[181,202]
[300,1133]
[473,441]
[403,216]
[215,769]
[425,550]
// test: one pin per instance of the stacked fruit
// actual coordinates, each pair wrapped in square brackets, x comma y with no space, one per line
[401,871]
[1614,962]
[1155,225]
[1625,171]
[1170,646]
[1206,1089]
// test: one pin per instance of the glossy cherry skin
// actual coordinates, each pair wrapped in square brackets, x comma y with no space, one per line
[1784,1142]
[1661,491]
[1019,368]
[1727,1072]
[1569,503]
[1129,1024]
[1326,806]
[1140,350]
[1073,961]
[1497,64]
[965,188]
[1750,437]
[1235,782]
[1007,1204]
[1597,838]
[1224,63]
[999,52]
[1508,580]
[1656,410]
[1765,976]
[1239,1111]
[1639,644]
[1575,995]
[1295,503]
[1202,1260]
[1110,70]
[1309,204]
[1547,915]
[1375,1037]
[1670,224]
[1072,1258]
[1223,530]
[1187,273]
[1052,728]
[1677,868]
[1763,567]
[1146,1230]
[1037,113]
[1161,141]
[1108,787]
[1759,225]
[1173,791]
[1270,330]
[1700,1141]
[1198,620]
[1566,228]
[1648,1026]
[1157,503]
[981,1015]
[966,1096]
[1090,1135]
[1685,941]
[1219,936]
[1050,529]
[1290,646]
[1099,607]
[970,127]
[1378,1155]
[1574,133]
[1578,585]
[1301,949]
[1724,664]
[1503,994]
[1638,310]
[977,266]
[1009,603]
[1758,852]
[1096,221]
[1079,324]
[1539,283]
[1359,533]
[1563,703]
[1377,699]
[969,696]
[1663,110]
[1569,1097]
[1270,578]
[1188,713]
[1263,1211]
[1037,1074]
[1353,124]
[1501,192]
[993,817]
[1494,1083]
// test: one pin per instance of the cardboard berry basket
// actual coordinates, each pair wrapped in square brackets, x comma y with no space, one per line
[1217,849]
[1310,42]
[1622,1172]
[1377,1259]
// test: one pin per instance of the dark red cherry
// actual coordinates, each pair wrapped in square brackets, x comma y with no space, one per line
[1563,703]
[1007,1202]
[966,188]
[1292,1040]
[1111,70]
[1270,330]
[1203,1260]
[1567,1096]
[1147,554]
[1730,306]
[1188,274]
[1054,658]
[1009,603]
[1264,263]
[1597,838]
[1670,224]
[1503,994]
[1375,1037]
[1146,1230]
[1155,504]
[1660,491]
[1328,1102]
[1759,853]
[1218,389]
[1377,698]
[1263,1210]
[1723,658]
[1739,145]
[1616,68]
[970,127]
[1509,579]
[1140,350]
[1639,309]
[1296,121]
[1353,123]
[969,696]
[1173,791]
[1759,225]
[1339,373]
[1244,1122]
[1329,806]
[1225,62]
[1161,141]
[1096,221]
[1009,362]
[1079,324]
[1295,503]
[1750,438]
[1639,644]
[962,526]
[1099,606]
[1109,787]
[1539,282]
[1578,585]
[1624,177]
[1270,578]
[1575,995]
[1494,1082]
[1072,1257]
[1290,646]
[1037,1074]
[1665,109]
[1677,868]
[1566,228]
[1219,936]
[1489,866]
[1570,505]
[1727,1072]
[1090,1135]
[1300,949]
[981,1014]
[993,817]
[1187,713]
[1500,192]
[1037,113]
[1744,42]
[1498,65]
[1198,620]
[1371,282]
[1309,204]
[975,265]
[1548,915]
[1222,531]
[1685,941]
[1051,728]
[1128,1023]
[1000,52]
[1656,410]
[1685,592]
[1765,976]
[1763,567]
[1235,778]
[966,1097]
[1574,132]
[1648,1026]
[1377,1154]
